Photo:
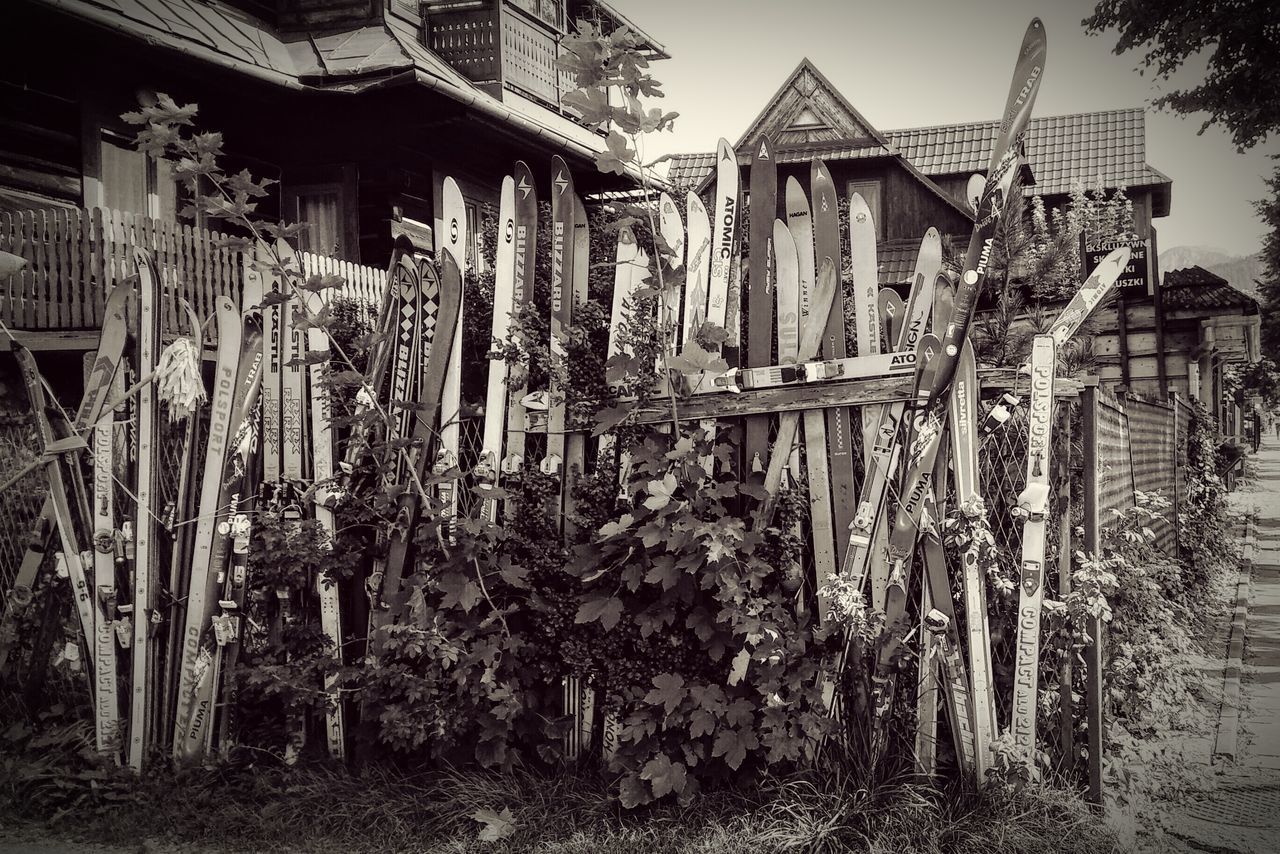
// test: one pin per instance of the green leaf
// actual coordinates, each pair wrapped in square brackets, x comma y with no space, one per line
[664,572]
[741,662]
[592,104]
[606,609]
[495,825]
[733,745]
[664,776]
[660,492]
[618,155]
[633,792]
[610,530]
[668,691]
[459,591]
[610,417]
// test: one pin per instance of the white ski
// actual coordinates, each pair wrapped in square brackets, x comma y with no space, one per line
[202,592]
[495,405]
[1033,508]
[322,478]
[453,240]
[146,498]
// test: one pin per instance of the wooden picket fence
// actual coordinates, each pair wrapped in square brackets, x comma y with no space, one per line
[75,256]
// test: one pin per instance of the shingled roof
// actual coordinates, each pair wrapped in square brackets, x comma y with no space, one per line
[1195,288]
[1109,146]
[387,53]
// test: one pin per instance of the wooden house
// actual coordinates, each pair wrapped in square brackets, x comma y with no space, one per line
[358,108]
[1207,325]
[916,178]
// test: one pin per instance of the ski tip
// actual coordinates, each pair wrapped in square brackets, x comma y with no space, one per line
[827,272]
[694,204]
[859,211]
[797,201]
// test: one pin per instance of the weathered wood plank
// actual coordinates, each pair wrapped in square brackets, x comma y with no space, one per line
[69,313]
[11,286]
[98,259]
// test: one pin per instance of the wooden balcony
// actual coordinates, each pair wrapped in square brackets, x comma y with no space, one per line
[500,45]
[74,258]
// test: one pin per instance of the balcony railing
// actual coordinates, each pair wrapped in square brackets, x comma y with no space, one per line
[74,258]
[501,46]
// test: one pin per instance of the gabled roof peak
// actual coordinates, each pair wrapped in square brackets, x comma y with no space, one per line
[808,108]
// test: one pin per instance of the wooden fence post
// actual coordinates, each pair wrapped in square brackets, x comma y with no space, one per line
[1092,544]
[1065,705]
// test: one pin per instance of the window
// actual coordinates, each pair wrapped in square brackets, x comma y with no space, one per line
[320,206]
[134,183]
[870,191]
[474,239]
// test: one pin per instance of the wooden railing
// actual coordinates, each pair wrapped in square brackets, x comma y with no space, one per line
[74,257]
[503,45]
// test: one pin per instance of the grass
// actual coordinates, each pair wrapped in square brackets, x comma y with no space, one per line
[325,809]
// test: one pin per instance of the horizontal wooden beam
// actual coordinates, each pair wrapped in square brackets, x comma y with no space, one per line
[868,392]
[783,399]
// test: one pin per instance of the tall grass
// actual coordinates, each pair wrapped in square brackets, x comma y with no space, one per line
[324,809]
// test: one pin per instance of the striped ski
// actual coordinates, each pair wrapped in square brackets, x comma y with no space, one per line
[1001,172]
[441,302]
[394,375]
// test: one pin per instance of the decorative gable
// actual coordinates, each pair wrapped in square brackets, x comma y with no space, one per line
[808,109]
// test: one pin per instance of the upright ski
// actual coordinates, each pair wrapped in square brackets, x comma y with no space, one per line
[322,486]
[822,525]
[1033,508]
[237,378]
[789,422]
[454,244]
[764,204]
[826,241]
[526,231]
[562,219]
[495,402]
[146,493]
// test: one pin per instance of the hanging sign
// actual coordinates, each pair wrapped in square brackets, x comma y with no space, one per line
[1136,275]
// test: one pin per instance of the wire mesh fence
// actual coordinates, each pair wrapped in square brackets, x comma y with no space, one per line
[20,503]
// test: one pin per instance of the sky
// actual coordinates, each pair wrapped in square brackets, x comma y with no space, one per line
[907,63]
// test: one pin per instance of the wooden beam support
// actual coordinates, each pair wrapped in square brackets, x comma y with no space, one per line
[826,395]
[1092,544]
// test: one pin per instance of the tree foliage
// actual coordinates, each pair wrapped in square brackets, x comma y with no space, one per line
[1238,42]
